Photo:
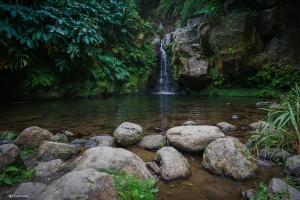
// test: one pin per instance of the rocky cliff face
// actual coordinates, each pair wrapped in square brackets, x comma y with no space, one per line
[238,43]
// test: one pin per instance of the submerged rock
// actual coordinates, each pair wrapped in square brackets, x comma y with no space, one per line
[9,155]
[152,142]
[85,184]
[225,127]
[256,125]
[189,123]
[32,137]
[99,141]
[127,134]
[54,150]
[193,138]
[103,158]
[229,158]
[174,166]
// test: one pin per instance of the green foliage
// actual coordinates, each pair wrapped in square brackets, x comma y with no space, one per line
[289,180]
[130,187]
[261,193]
[25,153]
[211,9]
[7,135]
[90,37]
[216,79]
[283,130]
[12,174]
[272,78]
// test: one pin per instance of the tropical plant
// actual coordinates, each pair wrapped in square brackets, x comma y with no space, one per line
[12,174]
[283,130]
[131,187]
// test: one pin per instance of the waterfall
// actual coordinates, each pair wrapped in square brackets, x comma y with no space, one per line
[165,82]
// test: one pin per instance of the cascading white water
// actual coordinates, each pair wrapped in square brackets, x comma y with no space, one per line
[166,83]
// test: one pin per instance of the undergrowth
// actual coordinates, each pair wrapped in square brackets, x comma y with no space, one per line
[131,187]
[12,174]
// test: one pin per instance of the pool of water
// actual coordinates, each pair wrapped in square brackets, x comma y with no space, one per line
[155,113]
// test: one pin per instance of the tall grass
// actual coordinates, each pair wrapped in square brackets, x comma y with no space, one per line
[283,127]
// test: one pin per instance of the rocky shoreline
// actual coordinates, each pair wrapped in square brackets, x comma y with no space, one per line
[223,156]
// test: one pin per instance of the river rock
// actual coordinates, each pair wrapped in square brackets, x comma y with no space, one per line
[32,137]
[9,155]
[85,184]
[174,166]
[29,189]
[54,150]
[46,169]
[256,125]
[62,138]
[152,142]
[274,154]
[193,138]
[277,186]
[225,127]
[101,141]
[262,104]
[102,158]
[189,123]
[229,158]
[292,166]
[127,134]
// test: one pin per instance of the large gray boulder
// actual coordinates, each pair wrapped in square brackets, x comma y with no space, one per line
[29,189]
[292,166]
[32,137]
[54,150]
[229,158]
[193,138]
[152,142]
[127,134]
[103,158]
[9,155]
[84,185]
[174,166]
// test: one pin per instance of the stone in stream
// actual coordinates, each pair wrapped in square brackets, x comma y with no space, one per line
[54,150]
[84,184]
[225,127]
[103,158]
[256,125]
[174,166]
[189,123]
[193,138]
[127,134]
[32,137]
[62,138]
[9,155]
[230,159]
[99,141]
[152,142]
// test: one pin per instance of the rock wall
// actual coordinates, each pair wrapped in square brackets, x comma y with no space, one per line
[237,44]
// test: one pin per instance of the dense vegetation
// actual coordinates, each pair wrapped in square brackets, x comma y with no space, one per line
[86,47]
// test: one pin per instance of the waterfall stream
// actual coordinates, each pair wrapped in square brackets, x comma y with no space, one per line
[165,82]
